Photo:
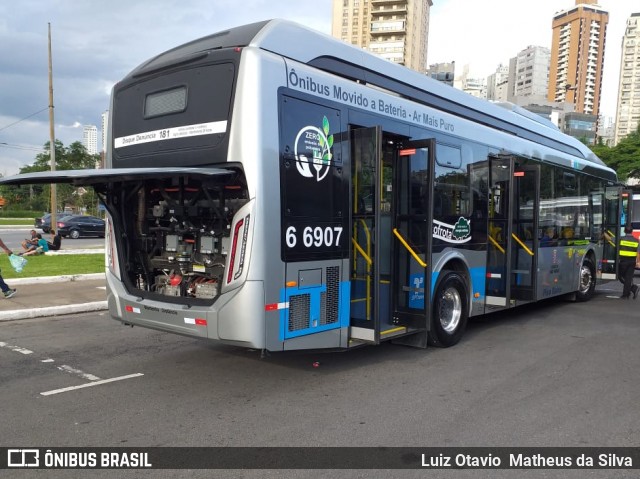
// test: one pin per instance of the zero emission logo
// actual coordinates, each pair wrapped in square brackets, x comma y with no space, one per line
[313,151]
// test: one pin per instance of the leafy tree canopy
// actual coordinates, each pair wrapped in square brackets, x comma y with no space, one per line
[624,157]
[37,197]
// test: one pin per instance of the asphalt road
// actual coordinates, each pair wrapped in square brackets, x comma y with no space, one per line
[14,237]
[553,374]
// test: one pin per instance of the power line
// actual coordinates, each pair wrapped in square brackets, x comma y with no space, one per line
[25,118]
[22,147]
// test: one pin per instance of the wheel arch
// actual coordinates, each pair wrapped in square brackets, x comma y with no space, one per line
[452,260]
[589,256]
[446,326]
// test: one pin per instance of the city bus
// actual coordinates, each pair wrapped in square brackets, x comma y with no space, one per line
[271,187]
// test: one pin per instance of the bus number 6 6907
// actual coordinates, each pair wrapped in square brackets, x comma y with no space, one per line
[318,236]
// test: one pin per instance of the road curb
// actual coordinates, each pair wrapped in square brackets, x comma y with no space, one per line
[15,314]
[52,311]
[56,279]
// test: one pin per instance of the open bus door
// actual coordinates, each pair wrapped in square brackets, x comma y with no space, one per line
[365,150]
[617,210]
[512,239]
[412,242]
[390,240]
[634,207]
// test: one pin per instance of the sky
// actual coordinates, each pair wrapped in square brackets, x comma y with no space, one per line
[95,43]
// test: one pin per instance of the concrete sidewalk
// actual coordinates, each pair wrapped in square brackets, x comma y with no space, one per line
[53,296]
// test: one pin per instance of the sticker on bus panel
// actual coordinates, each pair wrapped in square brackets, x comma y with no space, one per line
[313,151]
[457,233]
[185,131]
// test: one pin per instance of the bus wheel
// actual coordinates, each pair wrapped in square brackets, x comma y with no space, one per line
[587,284]
[450,310]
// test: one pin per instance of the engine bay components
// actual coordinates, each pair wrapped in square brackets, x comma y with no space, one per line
[177,233]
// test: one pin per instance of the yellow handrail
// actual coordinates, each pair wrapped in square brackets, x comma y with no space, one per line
[524,246]
[495,243]
[608,235]
[361,251]
[366,255]
[409,249]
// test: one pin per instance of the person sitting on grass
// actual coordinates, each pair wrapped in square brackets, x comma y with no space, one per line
[32,242]
[56,241]
[41,248]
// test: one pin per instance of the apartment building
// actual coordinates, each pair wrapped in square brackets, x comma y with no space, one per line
[628,106]
[90,138]
[532,72]
[577,56]
[396,30]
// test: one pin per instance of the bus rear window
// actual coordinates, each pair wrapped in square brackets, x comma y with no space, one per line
[165,102]
[187,111]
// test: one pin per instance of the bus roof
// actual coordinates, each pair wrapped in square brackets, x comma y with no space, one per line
[335,56]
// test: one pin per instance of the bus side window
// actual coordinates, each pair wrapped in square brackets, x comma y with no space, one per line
[451,190]
[441,204]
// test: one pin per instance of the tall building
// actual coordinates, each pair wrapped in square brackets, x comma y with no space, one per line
[532,72]
[606,130]
[628,109]
[90,138]
[577,56]
[396,30]
[498,83]
[104,127]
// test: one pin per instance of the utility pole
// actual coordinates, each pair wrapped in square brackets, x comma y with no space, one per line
[52,139]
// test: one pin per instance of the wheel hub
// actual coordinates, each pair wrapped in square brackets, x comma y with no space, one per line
[450,309]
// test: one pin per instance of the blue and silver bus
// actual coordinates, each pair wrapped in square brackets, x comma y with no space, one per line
[271,187]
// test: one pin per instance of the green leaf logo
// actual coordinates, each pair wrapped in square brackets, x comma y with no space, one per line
[326,157]
[462,228]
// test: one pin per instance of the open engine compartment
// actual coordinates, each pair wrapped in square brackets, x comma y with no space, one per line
[176,233]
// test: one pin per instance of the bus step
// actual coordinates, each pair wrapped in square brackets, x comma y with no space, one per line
[365,335]
[362,334]
[393,332]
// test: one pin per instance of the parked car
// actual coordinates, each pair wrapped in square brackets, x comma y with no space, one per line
[75,226]
[38,221]
[45,222]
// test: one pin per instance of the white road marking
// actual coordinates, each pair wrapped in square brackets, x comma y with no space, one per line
[87,385]
[101,287]
[17,349]
[78,372]
[95,380]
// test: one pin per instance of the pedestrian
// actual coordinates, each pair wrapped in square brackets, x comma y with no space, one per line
[628,256]
[6,290]
[56,241]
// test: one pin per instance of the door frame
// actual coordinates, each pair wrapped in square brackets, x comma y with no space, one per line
[411,317]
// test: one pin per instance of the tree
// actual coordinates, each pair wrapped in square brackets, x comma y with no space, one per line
[627,157]
[37,197]
[624,157]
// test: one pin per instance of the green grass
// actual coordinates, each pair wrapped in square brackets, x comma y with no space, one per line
[58,265]
[17,221]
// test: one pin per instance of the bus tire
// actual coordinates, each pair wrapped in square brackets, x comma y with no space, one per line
[450,310]
[587,284]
